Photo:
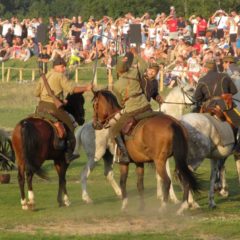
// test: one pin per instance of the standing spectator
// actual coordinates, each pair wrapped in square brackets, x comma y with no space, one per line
[172,26]
[201,26]
[6,25]
[43,59]
[232,23]
[41,35]
[220,19]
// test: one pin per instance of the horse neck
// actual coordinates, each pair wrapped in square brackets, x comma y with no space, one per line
[174,110]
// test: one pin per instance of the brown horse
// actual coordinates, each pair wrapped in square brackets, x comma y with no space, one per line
[32,140]
[157,139]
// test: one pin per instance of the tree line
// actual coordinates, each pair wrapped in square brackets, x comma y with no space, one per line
[112,8]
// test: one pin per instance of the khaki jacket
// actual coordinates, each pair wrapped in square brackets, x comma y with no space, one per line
[59,84]
[128,89]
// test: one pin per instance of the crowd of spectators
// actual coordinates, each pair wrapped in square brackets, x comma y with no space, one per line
[181,45]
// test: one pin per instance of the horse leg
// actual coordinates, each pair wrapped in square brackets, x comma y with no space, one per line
[172,194]
[237,160]
[84,176]
[108,172]
[166,182]
[222,175]
[61,168]
[214,169]
[31,202]
[140,184]
[21,182]
[123,181]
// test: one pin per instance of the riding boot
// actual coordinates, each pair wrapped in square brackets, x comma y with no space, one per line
[236,150]
[71,141]
[124,154]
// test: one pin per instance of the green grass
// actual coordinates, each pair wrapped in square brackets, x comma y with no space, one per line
[103,219]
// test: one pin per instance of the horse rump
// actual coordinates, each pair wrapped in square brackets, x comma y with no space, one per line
[180,154]
[31,148]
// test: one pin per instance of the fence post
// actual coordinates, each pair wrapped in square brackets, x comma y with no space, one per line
[76,75]
[161,78]
[33,75]
[20,75]
[110,79]
[8,74]
[2,71]
[95,79]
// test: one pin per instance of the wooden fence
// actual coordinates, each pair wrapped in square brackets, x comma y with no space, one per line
[7,71]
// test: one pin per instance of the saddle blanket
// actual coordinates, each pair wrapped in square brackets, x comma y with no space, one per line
[224,130]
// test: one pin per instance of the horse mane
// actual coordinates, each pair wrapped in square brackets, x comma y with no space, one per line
[74,106]
[110,97]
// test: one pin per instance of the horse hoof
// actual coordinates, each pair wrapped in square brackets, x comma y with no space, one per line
[175,201]
[124,204]
[224,193]
[31,206]
[212,206]
[25,207]
[163,208]
[194,205]
[87,200]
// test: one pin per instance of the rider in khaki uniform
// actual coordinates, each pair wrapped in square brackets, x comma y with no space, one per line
[130,96]
[61,86]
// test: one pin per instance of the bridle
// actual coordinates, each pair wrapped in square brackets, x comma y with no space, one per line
[105,122]
[186,96]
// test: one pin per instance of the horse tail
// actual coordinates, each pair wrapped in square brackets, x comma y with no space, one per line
[180,152]
[31,147]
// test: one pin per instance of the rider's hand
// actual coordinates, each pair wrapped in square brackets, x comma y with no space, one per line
[159,99]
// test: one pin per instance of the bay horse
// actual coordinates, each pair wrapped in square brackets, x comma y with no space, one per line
[155,140]
[97,144]
[33,143]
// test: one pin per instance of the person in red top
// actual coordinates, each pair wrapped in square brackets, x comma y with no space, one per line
[201,26]
[172,25]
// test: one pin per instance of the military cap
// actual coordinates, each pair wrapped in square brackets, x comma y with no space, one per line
[210,65]
[122,67]
[59,61]
[229,58]
[154,65]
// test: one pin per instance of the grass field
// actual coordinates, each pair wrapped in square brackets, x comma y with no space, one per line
[103,219]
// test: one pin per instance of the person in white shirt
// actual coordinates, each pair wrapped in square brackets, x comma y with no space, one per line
[193,67]
[233,30]
[220,18]
[5,26]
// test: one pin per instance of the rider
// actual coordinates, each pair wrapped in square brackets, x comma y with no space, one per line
[130,96]
[60,85]
[215,90]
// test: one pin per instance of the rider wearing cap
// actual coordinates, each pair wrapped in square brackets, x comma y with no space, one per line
[60,86]
[214,91]
[130,96]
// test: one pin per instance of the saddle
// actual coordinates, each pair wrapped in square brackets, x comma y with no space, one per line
[59,130]
[134,122]
[216,110]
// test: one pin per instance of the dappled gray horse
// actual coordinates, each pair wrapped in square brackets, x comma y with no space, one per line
[206,142]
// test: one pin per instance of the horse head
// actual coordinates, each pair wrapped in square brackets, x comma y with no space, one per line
[188,92]
[75,106]
[105,105]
